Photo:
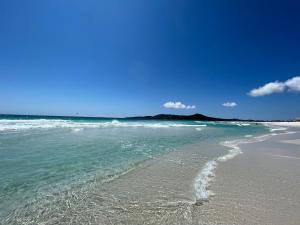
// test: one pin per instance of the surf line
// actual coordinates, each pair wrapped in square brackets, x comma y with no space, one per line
[206,175]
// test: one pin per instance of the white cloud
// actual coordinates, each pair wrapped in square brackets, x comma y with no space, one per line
[229,104]
[191,107]
[174,105]
[178,105]
[293,84]
[267,89]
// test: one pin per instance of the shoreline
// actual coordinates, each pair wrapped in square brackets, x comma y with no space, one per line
[204,179]
[164,190]
[259,186]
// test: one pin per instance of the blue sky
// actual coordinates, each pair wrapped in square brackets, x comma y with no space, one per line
[123,58]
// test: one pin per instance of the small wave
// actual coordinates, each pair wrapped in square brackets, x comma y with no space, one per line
[232,152]
[77,129]
[278,129]
[244,124]
[198,129]
[206,175]
[280,126]
[200,123]
[115,122]
[126,145]
[48,124]
[236,123]
[202,181]
[240,124]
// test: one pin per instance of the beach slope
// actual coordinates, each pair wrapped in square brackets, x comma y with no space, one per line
[260,186]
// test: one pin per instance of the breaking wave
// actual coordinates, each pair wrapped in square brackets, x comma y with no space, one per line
[78,125]
[241,124]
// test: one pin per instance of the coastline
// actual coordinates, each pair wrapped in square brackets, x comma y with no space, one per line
[207,174]
[242,192]
[260,186]
[179,187]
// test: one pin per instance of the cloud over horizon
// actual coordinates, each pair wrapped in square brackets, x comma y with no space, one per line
[292,84]
[178,105]
[229,104]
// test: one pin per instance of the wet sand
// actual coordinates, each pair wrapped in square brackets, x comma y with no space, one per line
[158,191]
[260,186]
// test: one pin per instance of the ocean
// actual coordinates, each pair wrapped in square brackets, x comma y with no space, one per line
[110,171]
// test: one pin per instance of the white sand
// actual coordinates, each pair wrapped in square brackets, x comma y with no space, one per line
[261,186]
[295,142]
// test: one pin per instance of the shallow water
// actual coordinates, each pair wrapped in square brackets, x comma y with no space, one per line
[100,171]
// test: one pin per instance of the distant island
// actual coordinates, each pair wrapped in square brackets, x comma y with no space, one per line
[196,116]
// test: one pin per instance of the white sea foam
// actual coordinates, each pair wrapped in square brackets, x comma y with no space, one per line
[198,129]
[202,181]
[207,174]
[236,123]
[232,152]
[201,124]
[77,129]
[244,124]
[278,129]
[241,124]
[280,126]
[48,124]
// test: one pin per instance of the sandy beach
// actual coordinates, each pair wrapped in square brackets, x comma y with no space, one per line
[242,180]
[260,186]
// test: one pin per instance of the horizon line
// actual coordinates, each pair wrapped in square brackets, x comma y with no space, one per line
[131,117]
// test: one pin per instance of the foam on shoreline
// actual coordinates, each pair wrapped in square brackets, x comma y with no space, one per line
[207,174]
[205,177]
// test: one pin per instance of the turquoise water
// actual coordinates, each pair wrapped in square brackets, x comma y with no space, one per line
[42,157]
